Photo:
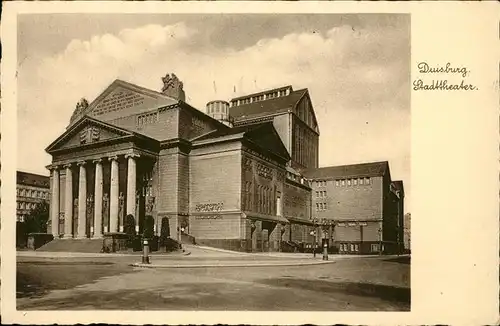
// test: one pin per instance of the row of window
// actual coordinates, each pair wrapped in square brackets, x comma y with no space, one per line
[147,118]
[264,199]
[351,247]
[345,182]
[354,247]
[321,194]
[261,97]
[24,205]
[352,182]
[304,147]
[33,193]
[321,207]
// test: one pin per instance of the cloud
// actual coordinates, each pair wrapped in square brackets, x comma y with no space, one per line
[358,79]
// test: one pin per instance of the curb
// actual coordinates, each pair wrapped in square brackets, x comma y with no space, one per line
[151,266]
[64,254]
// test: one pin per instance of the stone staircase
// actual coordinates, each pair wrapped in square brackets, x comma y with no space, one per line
[73,245]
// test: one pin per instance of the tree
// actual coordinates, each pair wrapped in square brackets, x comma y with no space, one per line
[130,224]
[36,221]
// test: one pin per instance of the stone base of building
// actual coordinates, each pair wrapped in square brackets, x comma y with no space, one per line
[241,245]
[365,247]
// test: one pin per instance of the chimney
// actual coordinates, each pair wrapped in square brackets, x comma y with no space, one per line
[173,87]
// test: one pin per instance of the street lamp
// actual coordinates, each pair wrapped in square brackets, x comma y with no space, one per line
[314,233]
[145,251]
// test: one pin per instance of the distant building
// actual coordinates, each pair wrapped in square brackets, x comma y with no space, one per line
[363,203]
[31,189]
[407,231]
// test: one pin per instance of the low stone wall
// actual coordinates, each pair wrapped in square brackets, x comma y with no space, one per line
[227,244]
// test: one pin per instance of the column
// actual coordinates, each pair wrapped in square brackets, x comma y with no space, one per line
[82,200]
[98,199]
[68,203]
[113,196]
[131,184]
[54,204]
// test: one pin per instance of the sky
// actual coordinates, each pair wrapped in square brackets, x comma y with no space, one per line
[356,67]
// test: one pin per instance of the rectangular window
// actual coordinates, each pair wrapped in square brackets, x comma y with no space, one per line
[375,248]
[325,206]
[352,247]
[337,183]
[367,181]
[348,182]
[317,193]
[317,207]
[343,182]
[356,247]
[361,181]
[355,181]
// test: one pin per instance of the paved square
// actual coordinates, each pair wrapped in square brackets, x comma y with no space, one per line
[343,284]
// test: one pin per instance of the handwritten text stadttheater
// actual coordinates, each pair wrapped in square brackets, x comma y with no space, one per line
[445,84]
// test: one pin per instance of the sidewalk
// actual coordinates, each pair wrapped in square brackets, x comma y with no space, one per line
[247,263]
[195,248]
[63,254]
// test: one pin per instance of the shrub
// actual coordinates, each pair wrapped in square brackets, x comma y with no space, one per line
[148,227]
[171,244]
[129,225]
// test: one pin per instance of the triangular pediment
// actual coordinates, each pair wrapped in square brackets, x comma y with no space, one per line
[87,131]
[121,99]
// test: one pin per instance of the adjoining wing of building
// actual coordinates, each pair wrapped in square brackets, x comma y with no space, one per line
[242,176]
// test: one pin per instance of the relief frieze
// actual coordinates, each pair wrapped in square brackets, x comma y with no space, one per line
[247,164]
[264,171]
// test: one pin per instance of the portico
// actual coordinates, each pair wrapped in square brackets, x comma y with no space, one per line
[96,183]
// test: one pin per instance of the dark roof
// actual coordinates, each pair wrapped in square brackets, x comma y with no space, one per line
[399,185]
[354,170]
[32,179]
[264,135]
[265,107]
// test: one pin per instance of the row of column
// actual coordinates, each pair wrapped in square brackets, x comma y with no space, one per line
[98,194]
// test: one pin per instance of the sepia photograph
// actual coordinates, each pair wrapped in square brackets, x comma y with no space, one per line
[213,162]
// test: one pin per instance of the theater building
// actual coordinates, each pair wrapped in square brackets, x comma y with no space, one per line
[233,176]
[226,180]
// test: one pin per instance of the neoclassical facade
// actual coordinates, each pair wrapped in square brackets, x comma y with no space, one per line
[135,151]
